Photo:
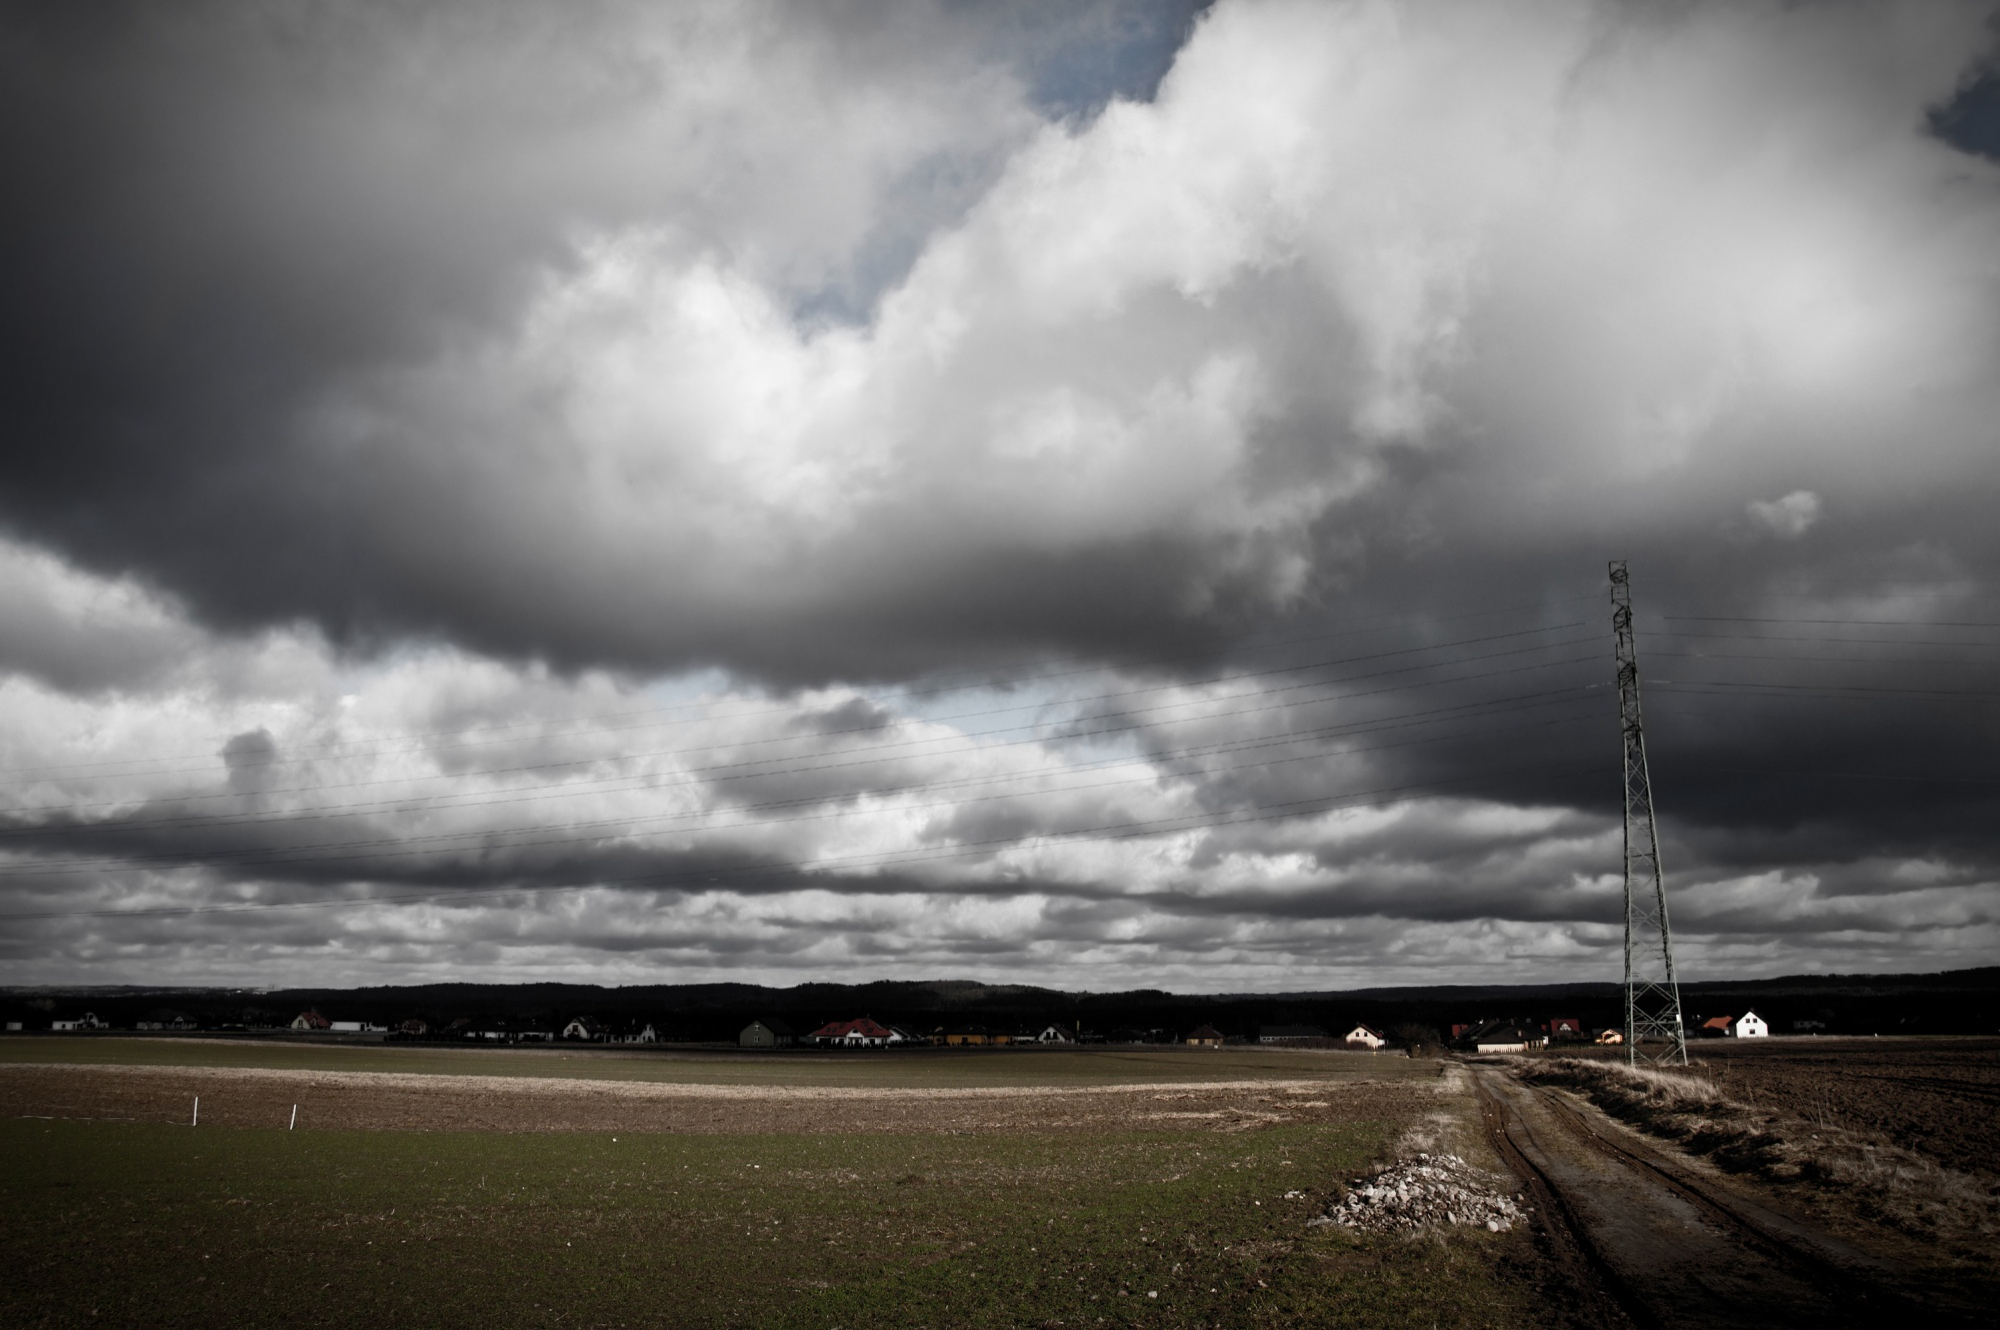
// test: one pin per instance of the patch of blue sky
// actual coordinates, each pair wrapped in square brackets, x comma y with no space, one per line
[1970,121]
[1031,711]
[1073,59]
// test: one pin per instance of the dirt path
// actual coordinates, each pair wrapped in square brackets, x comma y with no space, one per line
[1671,1248]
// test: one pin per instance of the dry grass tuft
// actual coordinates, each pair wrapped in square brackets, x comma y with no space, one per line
[1884,1182]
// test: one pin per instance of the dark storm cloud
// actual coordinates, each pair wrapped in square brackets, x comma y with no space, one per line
[381,375]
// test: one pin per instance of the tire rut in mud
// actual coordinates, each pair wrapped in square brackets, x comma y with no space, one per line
[1670,1250]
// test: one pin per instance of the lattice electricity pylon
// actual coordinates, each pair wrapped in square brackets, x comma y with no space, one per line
[1652,993]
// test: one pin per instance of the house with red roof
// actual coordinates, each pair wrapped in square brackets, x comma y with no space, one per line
[862,1033]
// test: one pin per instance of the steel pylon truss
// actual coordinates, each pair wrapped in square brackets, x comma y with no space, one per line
[1653,1028]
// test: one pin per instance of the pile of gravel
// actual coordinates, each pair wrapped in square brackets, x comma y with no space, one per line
[1430,1189]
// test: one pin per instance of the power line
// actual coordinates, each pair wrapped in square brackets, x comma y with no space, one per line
[284,855]
[1845,623]
[1816,660]
[730,771]
[1114,831]
[981,678]
[1820,637]
[1837,692]
[967,715]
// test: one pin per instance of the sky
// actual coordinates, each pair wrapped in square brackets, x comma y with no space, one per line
[1104,495]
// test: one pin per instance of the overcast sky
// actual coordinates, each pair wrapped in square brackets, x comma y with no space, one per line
[1100,495]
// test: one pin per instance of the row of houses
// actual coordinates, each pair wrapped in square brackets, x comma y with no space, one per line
[1511,1036]
[864,1032]
[578,1029]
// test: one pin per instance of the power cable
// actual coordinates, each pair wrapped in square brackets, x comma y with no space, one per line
[1113,831]
[730,771]
[282,856]
[1827,691]
[1845,623]
[964,715]
[982,679]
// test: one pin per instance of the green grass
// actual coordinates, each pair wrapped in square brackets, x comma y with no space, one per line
[116,1223]
[939,1068]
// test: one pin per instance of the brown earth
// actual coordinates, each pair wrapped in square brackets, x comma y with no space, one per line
[262,1097]
[1937,1097]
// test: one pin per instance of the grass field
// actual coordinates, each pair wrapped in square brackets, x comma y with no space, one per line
[139,1223]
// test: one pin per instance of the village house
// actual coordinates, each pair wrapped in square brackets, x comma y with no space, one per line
[88,1021]
[862,1033]
[1508,1037]
[1750,1026]
[643,1033]
[1055,1034]
[1715,1027]
[1363,1037]
[310,1019]
[962,1036]
[1561,1028]
[585,1029]
[766,1032]
[1610,1037]
[1205,1036]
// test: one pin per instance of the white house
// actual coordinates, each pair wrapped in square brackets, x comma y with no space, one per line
[1750,1026]
[1055,1034]
[87,1021]
[1363,1037]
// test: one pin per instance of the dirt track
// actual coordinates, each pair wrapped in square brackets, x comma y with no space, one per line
[1668,1246]
[255,1097]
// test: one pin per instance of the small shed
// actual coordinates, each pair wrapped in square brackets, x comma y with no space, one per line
[1205,1036]
[1750,1026]
[766,1032]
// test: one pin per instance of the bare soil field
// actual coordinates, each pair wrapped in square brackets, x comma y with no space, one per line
[1937,1097]
[403,1101]
[711,1066]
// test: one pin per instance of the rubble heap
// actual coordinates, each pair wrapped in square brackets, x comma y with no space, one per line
[1416,1193]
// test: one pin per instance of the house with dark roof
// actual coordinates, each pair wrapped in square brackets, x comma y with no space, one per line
[766,1032]
[1205,1036]
[1507,1037]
